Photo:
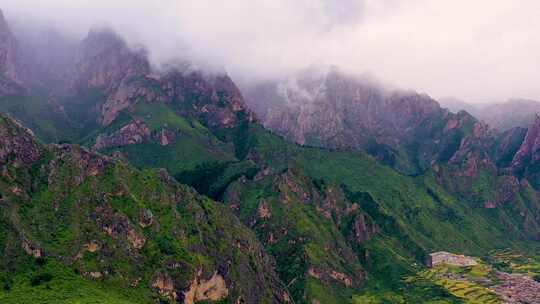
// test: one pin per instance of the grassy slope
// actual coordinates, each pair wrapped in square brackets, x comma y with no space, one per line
[194,145]
[298,236]
[60,284]
[68,119]
[416,213]
[431,216]
[196,157]
[40,117]
[63,207]
[418,216]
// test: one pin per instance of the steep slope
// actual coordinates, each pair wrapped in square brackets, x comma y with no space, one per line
[502,116]
[104,60]
[526,161]
[20,97]
[466,198]
[122,75]
[135,236]
[11,69]
[400,218]
[302,227]
[178,118]
[330,109]
[407,131]
[175,120]
[337,222]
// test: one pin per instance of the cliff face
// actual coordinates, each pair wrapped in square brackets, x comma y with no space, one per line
[17,144]
[530,148]
[104,60]
[407,130]
[526,161]
[92,84]
[213,99]
[501,116]
[115,224]
[11,69]
[311,230]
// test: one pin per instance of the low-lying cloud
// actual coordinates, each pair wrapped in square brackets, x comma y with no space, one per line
[482,50]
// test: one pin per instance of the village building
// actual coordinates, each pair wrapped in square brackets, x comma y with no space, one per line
[443,257]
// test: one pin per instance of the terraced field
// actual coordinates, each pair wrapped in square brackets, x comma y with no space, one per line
[510,261]
[488,281]
[463,282]
[471,292]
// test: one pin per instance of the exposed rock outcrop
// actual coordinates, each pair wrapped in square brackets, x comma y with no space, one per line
[363,229]
[165,286]
[213,289]
[131,90]
[501,116]
[331,275]
[529,152]
[135,132]
[212,98]
[124,74]
[104,61]
[331,109]
[17,144]
[31,250]
[11,68]
[146,218]
[120,227]
[165,136]
[87,164]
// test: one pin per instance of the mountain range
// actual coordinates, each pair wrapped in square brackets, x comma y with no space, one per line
[501,116]
[121,182]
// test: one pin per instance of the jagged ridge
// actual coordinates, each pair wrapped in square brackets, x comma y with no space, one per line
[131,229]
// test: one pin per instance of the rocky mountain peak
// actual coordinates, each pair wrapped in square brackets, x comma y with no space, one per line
[104,59]
[332,109]
[213,98]
[100,39]
[4,27]
[17,144]
[529,152]
[10,67]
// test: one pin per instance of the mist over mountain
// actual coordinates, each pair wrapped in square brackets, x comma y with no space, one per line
[487,55]
[499,115]
[181,152]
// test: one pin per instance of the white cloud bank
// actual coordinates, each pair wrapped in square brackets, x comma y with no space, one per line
[479,50]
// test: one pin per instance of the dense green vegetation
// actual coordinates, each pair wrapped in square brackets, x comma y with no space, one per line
[48,281]
[416,215]
[247,167]
[107,226]
[48,124]
[282,210]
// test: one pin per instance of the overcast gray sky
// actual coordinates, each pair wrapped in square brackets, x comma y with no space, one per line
[477,50]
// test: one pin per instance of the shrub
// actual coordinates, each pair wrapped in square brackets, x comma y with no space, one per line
[166,245]
[40,278]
